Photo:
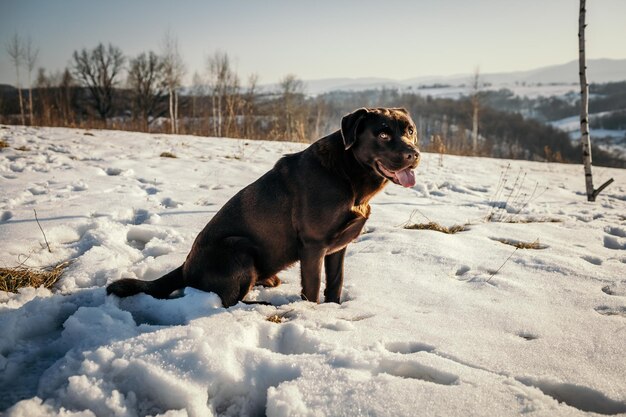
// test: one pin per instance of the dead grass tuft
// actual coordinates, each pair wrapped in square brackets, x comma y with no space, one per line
[3,144]
[522,245]
[275,318]
[12,279]
[533,220]
[437,227]
[168,155]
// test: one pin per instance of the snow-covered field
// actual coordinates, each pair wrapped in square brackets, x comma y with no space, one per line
[430,324]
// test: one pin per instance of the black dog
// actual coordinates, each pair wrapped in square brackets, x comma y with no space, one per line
[307,208]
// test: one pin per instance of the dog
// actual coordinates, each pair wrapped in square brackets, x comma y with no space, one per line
[307,208]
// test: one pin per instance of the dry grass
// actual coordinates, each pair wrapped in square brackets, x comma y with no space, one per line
[437,227]
[3,144]
[23,148]
[522,245]
[275,318]
[533,220]
[168,155]
[12,279]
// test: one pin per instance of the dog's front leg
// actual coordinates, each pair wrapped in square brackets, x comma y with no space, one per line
[311,258]
[333,264]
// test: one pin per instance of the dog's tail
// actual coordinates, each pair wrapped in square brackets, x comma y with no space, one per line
[159,288]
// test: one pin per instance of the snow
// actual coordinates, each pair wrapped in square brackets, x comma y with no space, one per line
[430,323]
[612,141]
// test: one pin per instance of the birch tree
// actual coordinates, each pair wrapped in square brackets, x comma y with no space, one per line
[15,49]
[584,109]
[475,109]
[224,84]
[30,57]
[174,70]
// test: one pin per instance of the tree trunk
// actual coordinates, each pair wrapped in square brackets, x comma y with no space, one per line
[176,111]
[172,126]
[19,92]
[584,109]
[30,104]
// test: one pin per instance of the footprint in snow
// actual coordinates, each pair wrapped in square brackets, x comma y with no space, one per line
[406,348]
[5,216]
[614,242]
[528,336]
[616,288]
[462,270]
[169,203]
[614,238]
[38,190]
[415,370]
[79,186]
[592,259]
[611,311]
[615,231]
[113,172]
[577,396]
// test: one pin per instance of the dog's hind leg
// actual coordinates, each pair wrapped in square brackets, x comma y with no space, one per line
[227,269]
[270,282]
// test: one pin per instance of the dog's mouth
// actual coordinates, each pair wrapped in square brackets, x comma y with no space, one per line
[404,177]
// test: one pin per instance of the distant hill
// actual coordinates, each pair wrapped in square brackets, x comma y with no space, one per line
[5,88]
[599,71]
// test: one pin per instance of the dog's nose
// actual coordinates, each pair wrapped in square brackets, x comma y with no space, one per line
[412,155]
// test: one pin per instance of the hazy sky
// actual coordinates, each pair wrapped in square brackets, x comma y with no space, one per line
[324,39]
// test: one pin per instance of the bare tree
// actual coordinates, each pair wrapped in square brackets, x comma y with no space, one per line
[98,70]
[475,109]
[584,109]
[30,56]
[249,107]
[66,96]
[174,69]
[224,84]
[15,49]
[293,111]
[146,79]
[44,85]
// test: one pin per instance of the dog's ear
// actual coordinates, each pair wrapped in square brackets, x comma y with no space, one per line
[349,125]
[401,110]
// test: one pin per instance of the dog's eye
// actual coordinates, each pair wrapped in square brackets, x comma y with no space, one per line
[410,130]
[384,136]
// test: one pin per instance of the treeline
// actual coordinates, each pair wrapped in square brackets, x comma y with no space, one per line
[105,89]
[608,97]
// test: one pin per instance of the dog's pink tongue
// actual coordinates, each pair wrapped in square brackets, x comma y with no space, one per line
[406,177]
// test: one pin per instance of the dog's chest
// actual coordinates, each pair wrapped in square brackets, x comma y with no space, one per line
[351,229]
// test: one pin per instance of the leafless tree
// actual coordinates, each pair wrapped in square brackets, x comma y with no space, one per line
[98,70]
[249,107]
[224,84]
[15,49]
[475,99]
[293,111]
[174,69]
[30,56]
[44,87]
[146,80]
[584,108]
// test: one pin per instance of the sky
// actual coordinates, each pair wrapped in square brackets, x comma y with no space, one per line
[394,39]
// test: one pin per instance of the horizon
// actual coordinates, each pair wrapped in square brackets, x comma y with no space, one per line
[280,37]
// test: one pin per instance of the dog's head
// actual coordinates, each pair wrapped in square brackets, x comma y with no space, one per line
[383,139]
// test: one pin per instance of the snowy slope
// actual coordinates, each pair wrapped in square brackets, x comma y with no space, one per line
[425,327]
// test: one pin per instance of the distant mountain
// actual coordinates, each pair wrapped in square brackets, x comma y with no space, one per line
[599,71]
